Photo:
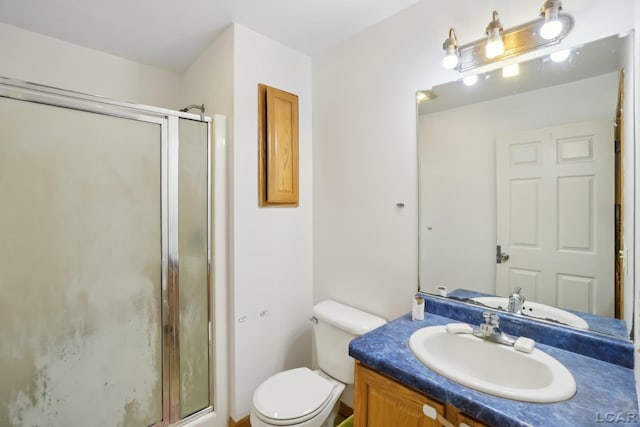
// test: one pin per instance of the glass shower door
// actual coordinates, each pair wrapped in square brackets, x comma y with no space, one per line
[80,268]
[193,178]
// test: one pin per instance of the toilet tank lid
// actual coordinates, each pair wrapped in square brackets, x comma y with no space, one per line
[346,317]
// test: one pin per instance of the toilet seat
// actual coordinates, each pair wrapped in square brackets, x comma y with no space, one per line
[292,397]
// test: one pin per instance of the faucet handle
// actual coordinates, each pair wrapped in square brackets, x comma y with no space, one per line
[491,318]
[516,290]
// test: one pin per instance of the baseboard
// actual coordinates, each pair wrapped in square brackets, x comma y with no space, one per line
[244,422]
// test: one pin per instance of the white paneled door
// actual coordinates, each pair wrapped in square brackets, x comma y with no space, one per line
[555,215]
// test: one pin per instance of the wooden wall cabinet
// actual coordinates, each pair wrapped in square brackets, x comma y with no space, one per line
[277,147]
[383,402]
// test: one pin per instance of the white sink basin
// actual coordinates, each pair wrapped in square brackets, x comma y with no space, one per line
[537,310]
[493,368]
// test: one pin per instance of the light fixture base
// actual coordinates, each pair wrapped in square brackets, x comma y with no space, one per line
[517,40]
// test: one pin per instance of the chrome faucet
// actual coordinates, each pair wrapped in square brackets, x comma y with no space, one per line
[515,301]
[490,330]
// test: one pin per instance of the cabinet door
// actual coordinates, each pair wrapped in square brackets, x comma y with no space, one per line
[278,147]
[382,402]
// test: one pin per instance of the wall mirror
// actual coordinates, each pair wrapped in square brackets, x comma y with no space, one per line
[526,182]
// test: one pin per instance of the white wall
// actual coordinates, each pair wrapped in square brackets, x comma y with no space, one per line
[365,249]
[272,247]
[458,180]
[210,79]
[35,58]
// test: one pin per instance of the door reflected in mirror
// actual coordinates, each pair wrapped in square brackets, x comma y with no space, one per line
[525,182]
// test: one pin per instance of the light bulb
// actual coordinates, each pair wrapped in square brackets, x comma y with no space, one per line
[511,70]
[470,80]
[495,47]
[495,44]
[552,26]
[551,29]
[560,56]
[450,61]
[450,47]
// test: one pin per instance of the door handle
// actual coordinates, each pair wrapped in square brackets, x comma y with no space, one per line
[432,413]
[501,256]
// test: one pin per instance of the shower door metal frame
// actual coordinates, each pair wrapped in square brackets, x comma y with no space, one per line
[169,146]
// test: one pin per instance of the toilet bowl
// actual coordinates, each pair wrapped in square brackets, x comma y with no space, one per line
[298,397]
[304,398]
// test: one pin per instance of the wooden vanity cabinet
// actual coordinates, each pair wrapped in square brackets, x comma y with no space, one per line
[383,402]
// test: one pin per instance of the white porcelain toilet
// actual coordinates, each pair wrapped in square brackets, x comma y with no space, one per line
[304,398]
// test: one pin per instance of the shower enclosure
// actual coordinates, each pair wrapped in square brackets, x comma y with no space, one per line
[105,255]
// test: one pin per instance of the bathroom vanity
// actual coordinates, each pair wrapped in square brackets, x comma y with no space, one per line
[393,388]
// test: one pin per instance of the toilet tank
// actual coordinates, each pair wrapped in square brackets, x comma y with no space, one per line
[337,325]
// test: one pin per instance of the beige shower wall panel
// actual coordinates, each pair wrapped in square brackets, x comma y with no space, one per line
[80,268]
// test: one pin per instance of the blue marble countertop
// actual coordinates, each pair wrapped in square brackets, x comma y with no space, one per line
[605,394]
[601,324]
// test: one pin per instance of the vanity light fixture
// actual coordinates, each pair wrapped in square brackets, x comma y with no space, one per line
[450,47]
[500,44]
[495,43]
[552,25]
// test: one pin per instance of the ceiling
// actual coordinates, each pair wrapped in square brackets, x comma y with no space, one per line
[172,33]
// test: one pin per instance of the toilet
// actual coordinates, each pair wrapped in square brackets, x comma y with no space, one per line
[304,398]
